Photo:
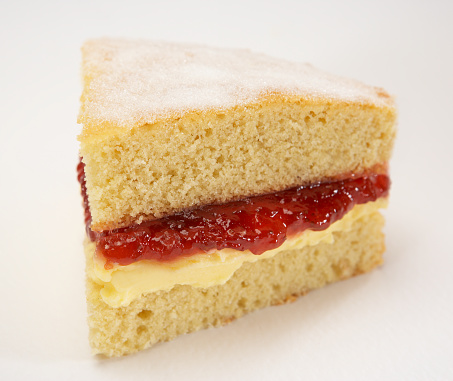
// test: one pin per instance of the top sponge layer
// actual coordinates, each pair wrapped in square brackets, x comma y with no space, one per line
[167,127]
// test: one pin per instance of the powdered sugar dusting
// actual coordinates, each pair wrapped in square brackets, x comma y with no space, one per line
[138,82]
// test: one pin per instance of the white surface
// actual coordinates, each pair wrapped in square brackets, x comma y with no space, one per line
[395,323]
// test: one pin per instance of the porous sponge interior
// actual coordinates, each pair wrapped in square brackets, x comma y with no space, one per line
[218,156]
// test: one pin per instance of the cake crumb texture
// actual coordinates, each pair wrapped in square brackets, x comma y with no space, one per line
[213,157]
[163,315]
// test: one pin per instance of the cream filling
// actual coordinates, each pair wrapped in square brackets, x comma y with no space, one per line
[122,284]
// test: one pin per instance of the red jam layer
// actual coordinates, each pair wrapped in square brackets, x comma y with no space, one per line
[258,223]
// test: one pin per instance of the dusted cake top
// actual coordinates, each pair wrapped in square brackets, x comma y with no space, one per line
[133,82]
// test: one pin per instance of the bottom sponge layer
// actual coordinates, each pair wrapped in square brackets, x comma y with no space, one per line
[163,315]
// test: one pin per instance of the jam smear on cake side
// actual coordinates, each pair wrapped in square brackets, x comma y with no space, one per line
[257,224]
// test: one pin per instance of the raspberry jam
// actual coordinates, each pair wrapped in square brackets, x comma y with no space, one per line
[258,223]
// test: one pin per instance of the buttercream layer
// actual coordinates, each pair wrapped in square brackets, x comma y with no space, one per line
[121,285]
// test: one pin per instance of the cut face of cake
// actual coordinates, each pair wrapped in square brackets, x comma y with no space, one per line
[217,182]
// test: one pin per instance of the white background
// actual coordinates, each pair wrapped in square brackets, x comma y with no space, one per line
[394,323]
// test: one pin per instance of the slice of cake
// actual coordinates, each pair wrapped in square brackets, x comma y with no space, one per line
[217,182]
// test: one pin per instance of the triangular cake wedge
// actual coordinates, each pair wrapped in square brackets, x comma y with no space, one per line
[219,181]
